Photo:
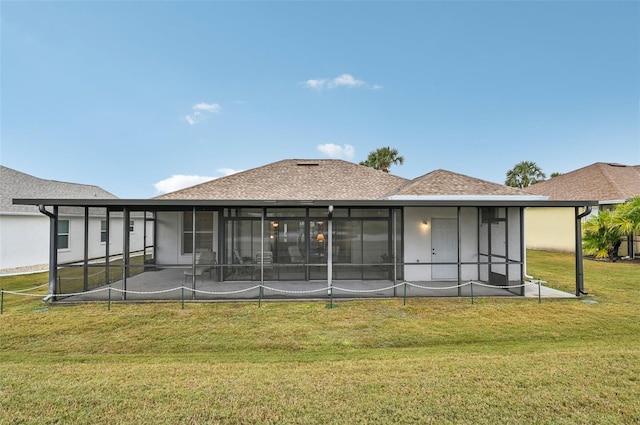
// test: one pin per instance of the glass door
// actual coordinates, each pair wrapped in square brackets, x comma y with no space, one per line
[318,242]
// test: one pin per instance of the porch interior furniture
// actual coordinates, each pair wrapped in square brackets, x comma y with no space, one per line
[205,263]
[265,259]
[240,264]
[295,255]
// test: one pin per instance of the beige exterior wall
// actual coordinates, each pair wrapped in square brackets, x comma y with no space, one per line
[553,229]
[550,229]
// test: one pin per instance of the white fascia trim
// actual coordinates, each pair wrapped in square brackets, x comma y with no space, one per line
[612,202]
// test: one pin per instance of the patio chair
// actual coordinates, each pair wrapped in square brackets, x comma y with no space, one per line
[265,259]
[204,264]
[242,270]
[295,254]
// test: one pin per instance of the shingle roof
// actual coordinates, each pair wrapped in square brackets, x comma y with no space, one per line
[14,184]
[443,182]
[296,179]
[600,181]
[293,180]
[327,179]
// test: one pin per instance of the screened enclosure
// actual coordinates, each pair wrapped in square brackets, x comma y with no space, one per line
[96,246]
[288,252]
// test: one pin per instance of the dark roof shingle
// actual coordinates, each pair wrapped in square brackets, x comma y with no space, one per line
[15,184]
[296,179]
[443,182]
[600,181]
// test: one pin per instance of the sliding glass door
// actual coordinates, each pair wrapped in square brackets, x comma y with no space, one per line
[296,243]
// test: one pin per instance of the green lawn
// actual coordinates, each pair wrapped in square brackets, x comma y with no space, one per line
[431,361]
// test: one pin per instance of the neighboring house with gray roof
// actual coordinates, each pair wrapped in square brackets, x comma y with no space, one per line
[609,184]
[24,230]
[308,223]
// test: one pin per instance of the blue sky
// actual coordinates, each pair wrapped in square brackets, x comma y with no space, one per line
[139,97]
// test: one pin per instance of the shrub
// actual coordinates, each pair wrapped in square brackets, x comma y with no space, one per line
[602,234]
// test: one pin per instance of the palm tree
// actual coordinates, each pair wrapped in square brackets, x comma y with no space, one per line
[524,174]
[382,158]
[601,237]
[627,216]
[602,234]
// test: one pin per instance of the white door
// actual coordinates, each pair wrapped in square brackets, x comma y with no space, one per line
[444,248]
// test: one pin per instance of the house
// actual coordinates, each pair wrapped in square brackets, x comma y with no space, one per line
[301,227]
[25,231]
[609,184]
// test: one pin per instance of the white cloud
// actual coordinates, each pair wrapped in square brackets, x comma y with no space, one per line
[199,108]
[227,171]
[344,80]
[347,80]
[178,182]
[336,151]
[315,84]
[209,107]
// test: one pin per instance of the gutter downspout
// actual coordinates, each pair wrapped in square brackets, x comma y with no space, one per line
[579,262]
[53,251]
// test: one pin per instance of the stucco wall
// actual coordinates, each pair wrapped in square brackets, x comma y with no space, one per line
[553,229]
[24,241]
[168,234]
[97,249]
[169,238]
[417,240]
[550,229]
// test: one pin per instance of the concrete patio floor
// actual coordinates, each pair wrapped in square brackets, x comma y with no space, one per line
[171,284]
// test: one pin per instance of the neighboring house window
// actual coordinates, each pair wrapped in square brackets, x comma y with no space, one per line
[103,229]
[63,234]
[203,231]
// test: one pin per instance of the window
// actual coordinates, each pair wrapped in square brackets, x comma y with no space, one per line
[103,231]
[203,231]
[63,234]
